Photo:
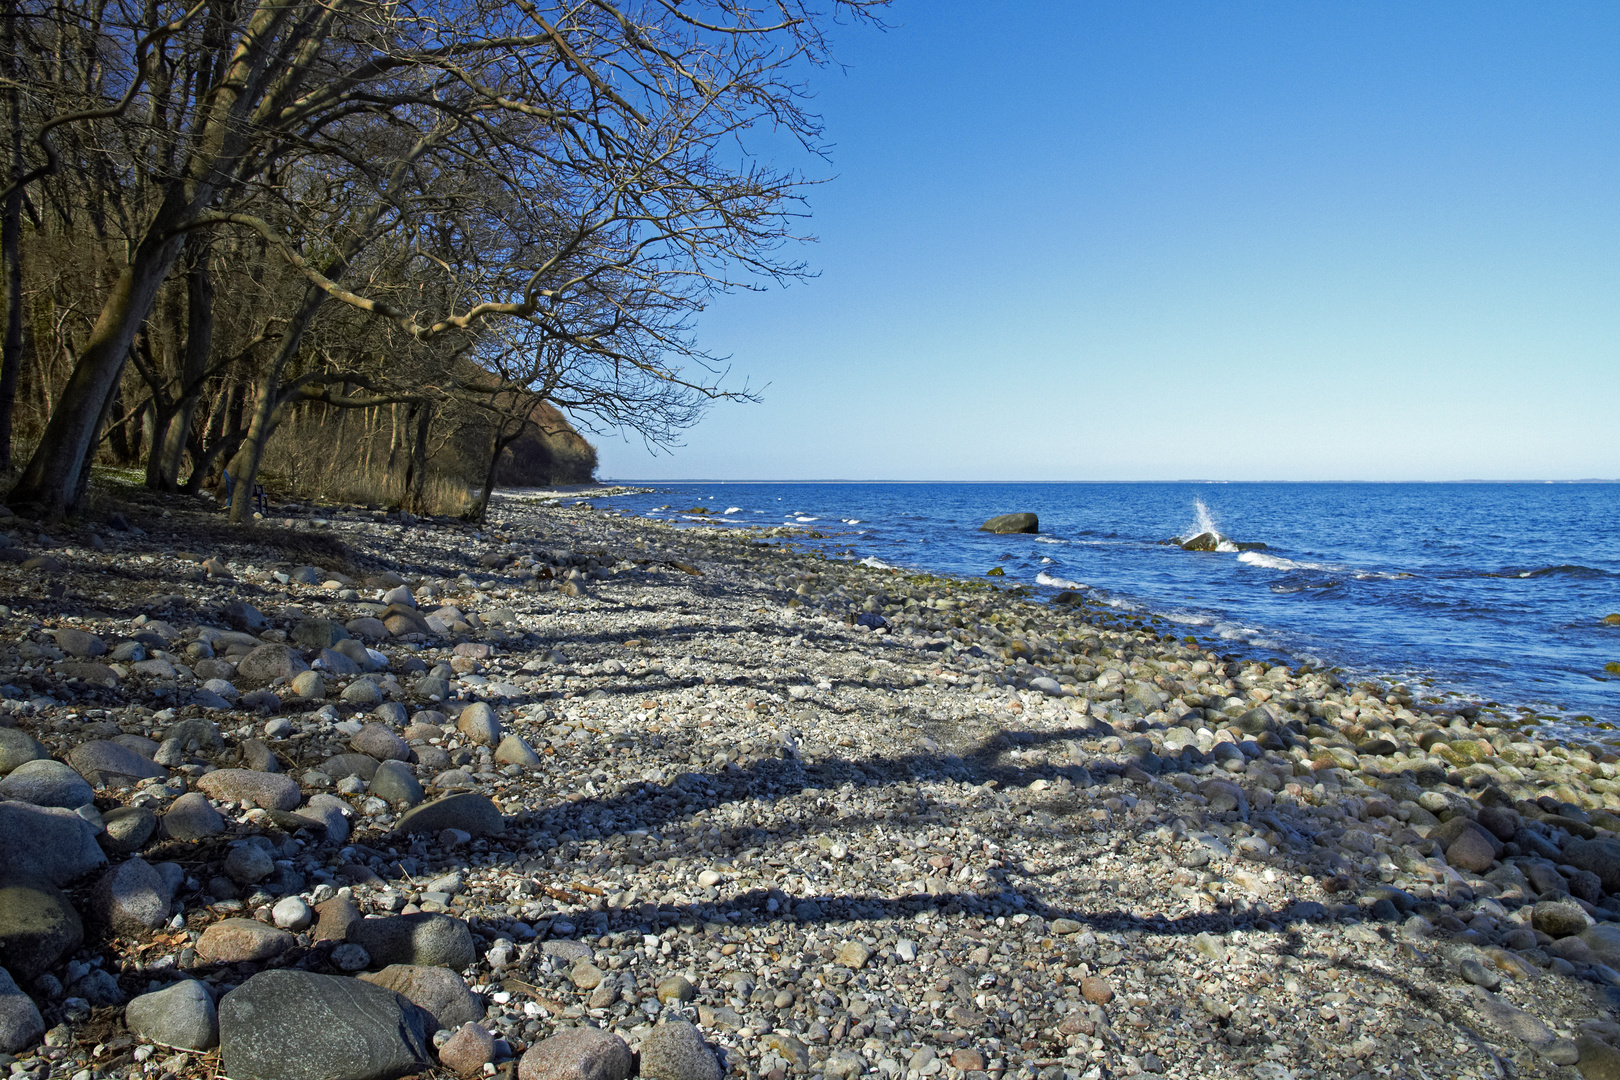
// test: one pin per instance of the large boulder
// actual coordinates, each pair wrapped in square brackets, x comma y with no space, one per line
[101,760]
[675,1051]
[470,812]
[273,791]
[289,1024]
[582,1053]
[268,663]
[132,897]
[1012,523]
[425,938]
[48,842]
[21,1026]
[17,747]
[45,782]
[439,991]
[1601,857]
[38,927]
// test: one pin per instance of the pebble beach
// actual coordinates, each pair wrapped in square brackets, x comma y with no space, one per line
[575,795]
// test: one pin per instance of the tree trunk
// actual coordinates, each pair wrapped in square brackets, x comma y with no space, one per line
[193,365]
[11,244]
[416,463]
[497,444]
[51,482]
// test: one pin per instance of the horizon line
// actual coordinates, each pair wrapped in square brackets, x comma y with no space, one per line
[845,480]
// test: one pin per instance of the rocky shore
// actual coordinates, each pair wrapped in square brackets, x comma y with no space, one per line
[578,796]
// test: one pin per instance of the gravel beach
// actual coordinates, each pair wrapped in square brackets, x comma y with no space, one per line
[575,796]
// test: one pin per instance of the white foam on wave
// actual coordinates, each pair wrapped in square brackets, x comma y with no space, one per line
[877,564]
[1049,540]
[1189,618]
[850,521]
[734,510]
[1277,562]
[1226,546]
[805,520]
[1043,578]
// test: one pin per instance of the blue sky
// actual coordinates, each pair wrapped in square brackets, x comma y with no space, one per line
[1293,241]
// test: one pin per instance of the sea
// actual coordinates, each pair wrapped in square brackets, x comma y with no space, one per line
[1485,592]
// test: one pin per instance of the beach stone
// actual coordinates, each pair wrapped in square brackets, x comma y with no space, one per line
[182,1016]
[582,1053]
[190,817]
[586,975]
[248,863]
[1012,523]
[79,643]
[38,927]
[396,784]
[195,735]
[378,741]
[336,917]
[368,628]
[1473,850]
[1096,990]
[468,1050]
[273,791]
[308,685]
[438,990]
[431,688]
[21,1026]
[234,941]
[49,842]
[1559,920]
[1500,821]
[102,758]
[340,765]
[47,782]
[361,692]
[846,1065]
[477,721]
[1507,1019]
[1601,857]
[677,989]
[128,829]
[245,617]
[424,938]
[289,1024]
[1598,1060]
[318,633]
[852,954]
[515,751]
[338,662]
[267,663]
[470,812]
[132,897]
[292,914]
[17,747]
[332,812]
[675,1051]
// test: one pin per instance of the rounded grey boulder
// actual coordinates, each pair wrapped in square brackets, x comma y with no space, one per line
[38,927]
[182,1016]
[582,1053]
[45,782]
[1012,523]
[470,812]
[48,842]
[424,938]
[288,1024]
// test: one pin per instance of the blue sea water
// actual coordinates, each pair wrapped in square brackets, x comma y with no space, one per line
[1490,591]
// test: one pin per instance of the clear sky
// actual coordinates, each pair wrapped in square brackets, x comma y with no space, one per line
[1155,240]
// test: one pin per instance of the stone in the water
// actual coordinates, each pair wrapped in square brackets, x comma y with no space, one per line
[470,812]
[49,842]
[182,1016]
[439,991]
[233,941]
[675,1051]
[132,897]
[423,938]
[289,1024]
[38,927]
[45,782]
[273,791]
[582,1053]
[1012,523]
[21,1026]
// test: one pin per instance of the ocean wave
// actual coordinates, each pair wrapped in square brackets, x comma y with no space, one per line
[802,520]
[1043,578]
[1277,562]
[877,564]
[1189,618]
[1050,540]
[850,521]
[1573,570]
[733,509]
